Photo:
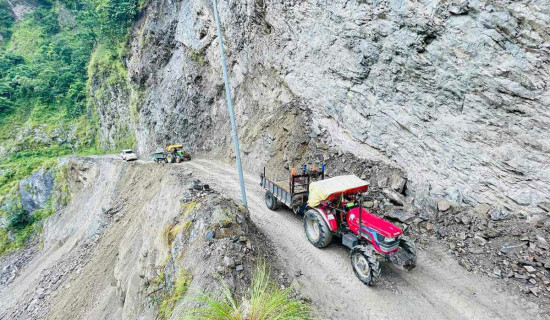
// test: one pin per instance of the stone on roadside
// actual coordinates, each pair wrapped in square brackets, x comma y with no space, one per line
[480,240]
[239,267]
[394,196]
[223,233]
[397,182]
[530,269]
[481,209]
[491,233]
[542,243]
[443,205]
[368,204]
[545,206]
[228,262]
[429,226]
[40,292]
[399,214]
[499,214]
[466,219]
[210,235]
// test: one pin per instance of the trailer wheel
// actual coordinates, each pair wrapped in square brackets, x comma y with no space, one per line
[317,230]
[270,201]
[365,264]
[408,246]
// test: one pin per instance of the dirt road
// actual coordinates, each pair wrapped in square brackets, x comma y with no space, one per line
[88,270]
[437,289]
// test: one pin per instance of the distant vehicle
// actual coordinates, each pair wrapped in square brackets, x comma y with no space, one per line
[128,155]
[174,153]
[177,153]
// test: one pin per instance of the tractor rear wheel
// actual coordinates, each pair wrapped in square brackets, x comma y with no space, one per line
[365,264]
[317,230]
[170,158]
[408,246]
[271,201]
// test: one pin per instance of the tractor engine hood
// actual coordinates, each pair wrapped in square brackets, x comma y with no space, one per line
[381,226]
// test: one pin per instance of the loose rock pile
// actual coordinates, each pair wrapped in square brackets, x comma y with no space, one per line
[215,241]
[484,239]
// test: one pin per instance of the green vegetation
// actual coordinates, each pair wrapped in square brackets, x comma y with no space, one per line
[6,20]
[46,62]
[170,299]
[22,226]
[264,301]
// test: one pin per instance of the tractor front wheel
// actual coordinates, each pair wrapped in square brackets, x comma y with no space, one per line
[410,248]
[365,264]
[317,230]
[271,201]
[178,159]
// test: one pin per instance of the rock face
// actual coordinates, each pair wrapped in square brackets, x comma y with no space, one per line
[455,93]
[35,191]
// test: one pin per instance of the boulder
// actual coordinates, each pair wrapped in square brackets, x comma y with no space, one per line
[36,190]
[394,196]
[397,182]
[398,214]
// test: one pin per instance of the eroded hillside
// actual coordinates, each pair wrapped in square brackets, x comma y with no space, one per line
[133,242]
[455,93]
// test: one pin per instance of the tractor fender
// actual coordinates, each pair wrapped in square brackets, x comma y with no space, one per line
[328,217]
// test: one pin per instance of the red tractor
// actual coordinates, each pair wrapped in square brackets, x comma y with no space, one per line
[333,207]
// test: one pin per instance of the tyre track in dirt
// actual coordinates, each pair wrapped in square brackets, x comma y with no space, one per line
[437,289]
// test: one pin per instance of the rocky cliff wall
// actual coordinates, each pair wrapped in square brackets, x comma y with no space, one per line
[455,93]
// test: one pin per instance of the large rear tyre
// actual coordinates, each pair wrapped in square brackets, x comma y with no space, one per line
[365,264]
[170,158]
[270,201]
[408,246]
[317,230]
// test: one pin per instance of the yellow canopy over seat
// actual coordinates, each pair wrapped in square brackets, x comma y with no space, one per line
[172,146]
[332,188]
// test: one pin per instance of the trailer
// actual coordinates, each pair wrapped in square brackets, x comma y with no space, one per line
[159,157]
[292,193]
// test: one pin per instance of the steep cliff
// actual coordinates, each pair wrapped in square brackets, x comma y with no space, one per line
[454,93]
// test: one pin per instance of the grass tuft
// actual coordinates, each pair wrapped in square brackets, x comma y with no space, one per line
[170,300]
[264,301]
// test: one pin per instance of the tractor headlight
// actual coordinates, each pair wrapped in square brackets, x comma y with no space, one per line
[389,239]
